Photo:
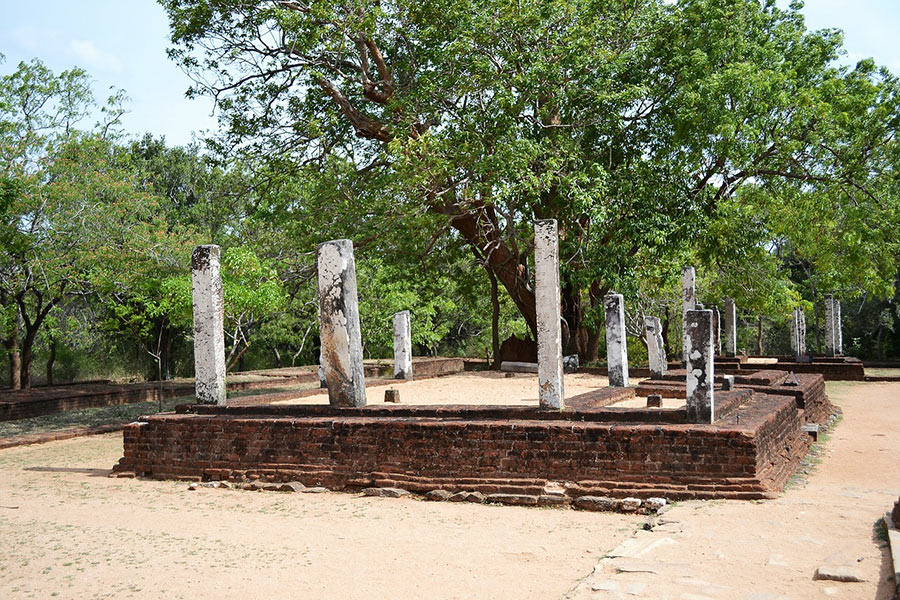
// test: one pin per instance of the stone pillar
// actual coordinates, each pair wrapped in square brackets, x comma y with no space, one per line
[700,401]
[833,333]
[688,302]
[616,349]
[717,330]
[798,332]
[656,347]
[402,346]
[339,324]
[551,391]
[730,327]
[209,322]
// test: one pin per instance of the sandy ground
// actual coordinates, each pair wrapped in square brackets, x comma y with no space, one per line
[485,388]
[68,531]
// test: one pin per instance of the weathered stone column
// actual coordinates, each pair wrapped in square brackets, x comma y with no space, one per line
[616,349]
[688,302]
[798,332]
[730,327]
[700,376]
[402,346]
[209,322]
[717,330]
[656,347]
[339,326]
[833,333]
[551,390]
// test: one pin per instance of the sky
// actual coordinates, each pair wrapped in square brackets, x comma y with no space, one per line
[122,43]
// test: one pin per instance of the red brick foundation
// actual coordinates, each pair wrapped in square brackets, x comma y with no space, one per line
[618,452]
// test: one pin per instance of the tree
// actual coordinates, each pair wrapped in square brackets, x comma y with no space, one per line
[630,123]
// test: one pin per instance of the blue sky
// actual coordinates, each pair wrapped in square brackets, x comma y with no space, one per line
[122,43]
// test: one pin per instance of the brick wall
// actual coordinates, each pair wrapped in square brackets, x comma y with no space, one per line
[593,452]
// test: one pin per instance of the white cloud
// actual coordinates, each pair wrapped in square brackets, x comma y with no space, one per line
[93,57]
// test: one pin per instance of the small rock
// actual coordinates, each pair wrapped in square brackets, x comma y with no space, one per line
[476,497]
[513,499]
[193,486]
[844,573]
[385,492]
[210,484]
[314,490]
[438,495]
[596,503]
[291,486]
[631,504]
[271,487]
[655,503]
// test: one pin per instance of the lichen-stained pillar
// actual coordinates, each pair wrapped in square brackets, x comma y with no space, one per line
[833,333]
[209,322]
[402,346]
[730,327]
[656,348]
[616,349]
[838,328]
[717,330]
[551,391]
[700,401]
[798,332]
[688,302]
[339,324]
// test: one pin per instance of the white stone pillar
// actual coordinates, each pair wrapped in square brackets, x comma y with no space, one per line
[403,368]
[730,327]
[321,371]
[209,322]
[616,348]
[798,332]
[832,326]
[700,376]
[656,347]
[688,302]
[339,327]
[551,390]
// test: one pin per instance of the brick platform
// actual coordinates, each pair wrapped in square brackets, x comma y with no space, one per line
[749,453]
[809,395]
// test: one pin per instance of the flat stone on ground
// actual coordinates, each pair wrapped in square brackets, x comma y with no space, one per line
[846,573]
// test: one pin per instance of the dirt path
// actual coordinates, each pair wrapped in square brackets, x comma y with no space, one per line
[769,550]
[70,532]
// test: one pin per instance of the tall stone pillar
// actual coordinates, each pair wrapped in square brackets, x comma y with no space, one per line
[656,347]
[688,302]
[402,346]
[339,324]
[209,322]
[700,376]
[798,332]
[717,330]
[616,349]
[551,391]
[730,327]
[833,333]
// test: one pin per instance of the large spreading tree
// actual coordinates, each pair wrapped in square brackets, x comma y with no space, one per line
[635,124]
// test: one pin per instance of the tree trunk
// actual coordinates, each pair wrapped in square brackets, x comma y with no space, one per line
[27,357]
[15,358]
[759,335]
[50,360]
[880,341]
[495,320]
[507,267]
